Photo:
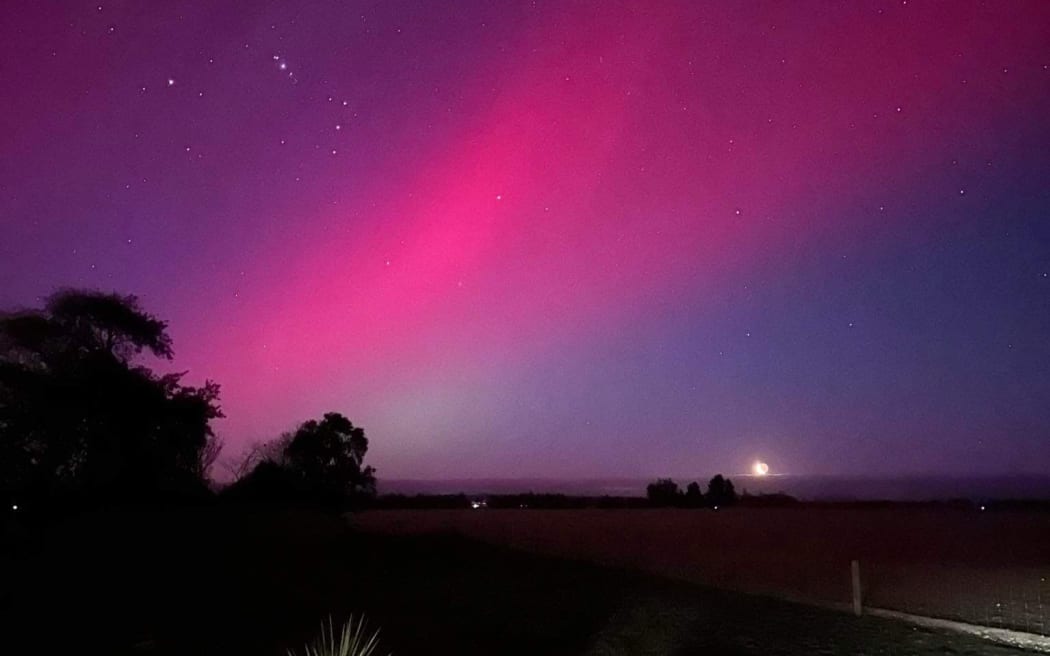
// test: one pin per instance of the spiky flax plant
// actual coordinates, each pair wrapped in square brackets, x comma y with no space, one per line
[353,640]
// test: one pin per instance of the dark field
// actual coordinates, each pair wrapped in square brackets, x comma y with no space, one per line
[217,581]
[990,568]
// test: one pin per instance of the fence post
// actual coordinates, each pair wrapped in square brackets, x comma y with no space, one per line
[854,567]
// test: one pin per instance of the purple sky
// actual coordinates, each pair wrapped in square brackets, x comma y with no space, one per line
[561,239]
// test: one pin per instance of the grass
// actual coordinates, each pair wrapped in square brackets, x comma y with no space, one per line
[222,581]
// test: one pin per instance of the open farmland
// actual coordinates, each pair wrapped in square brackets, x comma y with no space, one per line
[225,581]
[986,568]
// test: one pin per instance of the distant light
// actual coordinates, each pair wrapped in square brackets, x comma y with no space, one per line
[14,506]
[475,504]
[716,507]
[760,468]
[982,507]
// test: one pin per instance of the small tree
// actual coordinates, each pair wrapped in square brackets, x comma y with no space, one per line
[257,453]
[208,456]
[663,492]
[720,492]
[694,498]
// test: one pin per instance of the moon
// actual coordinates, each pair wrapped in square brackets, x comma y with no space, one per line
[760,468]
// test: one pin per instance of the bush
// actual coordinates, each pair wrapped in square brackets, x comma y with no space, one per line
[269,482]
[663,492]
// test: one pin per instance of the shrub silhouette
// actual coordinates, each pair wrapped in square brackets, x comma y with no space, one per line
[663,492]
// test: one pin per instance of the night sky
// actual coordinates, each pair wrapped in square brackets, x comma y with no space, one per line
[560,239]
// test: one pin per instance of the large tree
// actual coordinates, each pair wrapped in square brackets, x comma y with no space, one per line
[78,414]
[320,462]
[330,454]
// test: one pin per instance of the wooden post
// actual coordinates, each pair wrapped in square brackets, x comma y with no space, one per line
[854,567]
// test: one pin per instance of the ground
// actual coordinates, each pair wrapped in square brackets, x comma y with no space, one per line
[987,568]
[230,581]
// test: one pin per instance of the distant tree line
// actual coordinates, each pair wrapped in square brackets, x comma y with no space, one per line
[523,501]
[84,420]
[665,492]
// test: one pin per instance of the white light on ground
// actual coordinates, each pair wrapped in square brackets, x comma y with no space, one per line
[760,468]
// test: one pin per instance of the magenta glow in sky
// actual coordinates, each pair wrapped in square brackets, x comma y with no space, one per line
[561,239]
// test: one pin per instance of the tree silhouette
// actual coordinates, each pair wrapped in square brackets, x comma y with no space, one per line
[694,498]
[76,413]
[329,454]
[720,492]
[663,492]
[257,453]
[322,461]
